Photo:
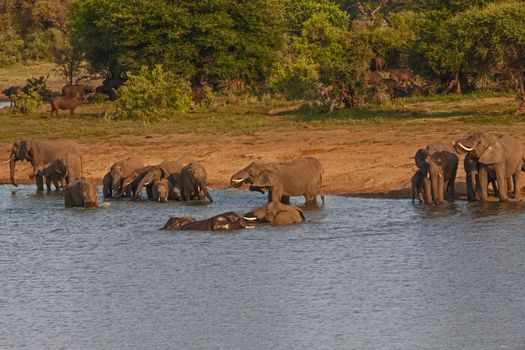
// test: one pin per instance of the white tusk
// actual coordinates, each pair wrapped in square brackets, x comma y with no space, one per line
[428,175]
[127,183]
[146,184]
[249,226]
[237,180]
[249,219]
[464,148]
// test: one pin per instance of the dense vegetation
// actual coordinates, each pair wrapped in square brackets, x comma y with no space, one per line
[294,48]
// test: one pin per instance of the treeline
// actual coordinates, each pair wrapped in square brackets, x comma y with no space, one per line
[296,48]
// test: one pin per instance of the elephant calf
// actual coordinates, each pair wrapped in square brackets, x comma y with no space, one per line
[67,168]
[176,223]
[82,193]
[418,187]
[277,214]
[163,190]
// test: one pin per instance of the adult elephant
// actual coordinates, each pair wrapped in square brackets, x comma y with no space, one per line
[300,177]
[40,154]
[221,222]
[472,169]
[165,169]
[500,153]
[193,182]
[439,164]
[118,171]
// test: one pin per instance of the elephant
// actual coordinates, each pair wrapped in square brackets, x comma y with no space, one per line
[65,102]
[193,182]
[40,153]
[81,193]
[439,163]
[68,168]
[175,223]
[131,181]
[277,214]
[107,185]
[163,190]
[221,222]
[472,169]
[157,172]
[300,177]
[77,90]
[121,169]
[418,186]
[500,153]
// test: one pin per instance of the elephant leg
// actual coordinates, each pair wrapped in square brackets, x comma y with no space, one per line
[428,190]
[483,183]
[441,190]
[502,182]
[286,200]
[39,181]
[470,188]
[517,185]
[149,192]
[270,195]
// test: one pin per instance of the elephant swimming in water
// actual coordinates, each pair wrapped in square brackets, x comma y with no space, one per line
[82,193]
[222,222]
[277,214]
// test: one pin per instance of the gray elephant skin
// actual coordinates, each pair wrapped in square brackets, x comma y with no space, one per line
[439,162]
[112,182]
[300,177]
[277,214]
[472,168]
[81,193]
[193,182]
[418,186]
[222,222]
[500,153]
[176,223]
[164,191]
[40,154]
[66,169]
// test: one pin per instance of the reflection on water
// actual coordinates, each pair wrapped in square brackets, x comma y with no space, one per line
[361,273]
[4,104]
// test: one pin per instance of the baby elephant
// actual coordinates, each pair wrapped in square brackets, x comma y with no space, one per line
[65,102]
[176,223]
[277,214]
[163,190]
[63,170]
[418,187]
[82,193]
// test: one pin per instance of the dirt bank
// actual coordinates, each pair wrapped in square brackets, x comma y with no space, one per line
[362,160]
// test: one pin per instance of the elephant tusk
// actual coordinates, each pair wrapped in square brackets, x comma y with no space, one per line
[249,218]
[428,175]
[237,181]
[146,184]
[464,148]
[249,226]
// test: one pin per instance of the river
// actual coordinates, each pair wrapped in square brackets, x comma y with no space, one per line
[359,274]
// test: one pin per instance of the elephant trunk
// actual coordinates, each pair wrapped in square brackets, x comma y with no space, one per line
[12,166]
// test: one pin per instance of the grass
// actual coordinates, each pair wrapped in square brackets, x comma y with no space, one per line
[252,116]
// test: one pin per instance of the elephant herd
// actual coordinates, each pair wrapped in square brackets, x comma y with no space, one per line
[59,163]
[493,160]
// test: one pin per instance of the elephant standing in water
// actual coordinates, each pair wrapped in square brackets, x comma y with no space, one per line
[472,168]
[300,177]
[40,154]
[277,214]
[112,182]
[81,193]
[67,168]
[500,153]
[439,164]
[193,182]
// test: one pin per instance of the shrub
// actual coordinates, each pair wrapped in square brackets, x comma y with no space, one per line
[152,95]
[27,102]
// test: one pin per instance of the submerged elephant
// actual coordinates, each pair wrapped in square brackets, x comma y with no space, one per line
[40,154]
[67,168]
[82,193]
[221,222]
[277,214]
[439,163]
[193,182]
[300,177]
[176,223]
[500,153]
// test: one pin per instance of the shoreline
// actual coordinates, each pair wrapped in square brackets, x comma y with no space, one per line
[371,161]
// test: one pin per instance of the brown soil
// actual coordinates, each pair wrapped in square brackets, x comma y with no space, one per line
[362,161]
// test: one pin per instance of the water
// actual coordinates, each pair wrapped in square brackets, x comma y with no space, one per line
[360,274]
[4,104]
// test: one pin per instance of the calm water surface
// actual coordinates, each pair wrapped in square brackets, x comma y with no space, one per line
[360,274]
[4,104]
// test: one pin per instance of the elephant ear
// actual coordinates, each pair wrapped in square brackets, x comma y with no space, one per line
[301,213]
[493,154]
[163,173]
[266,178]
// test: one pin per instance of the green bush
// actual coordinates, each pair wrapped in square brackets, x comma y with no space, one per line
[152,95]
[27,102]
[11,47]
